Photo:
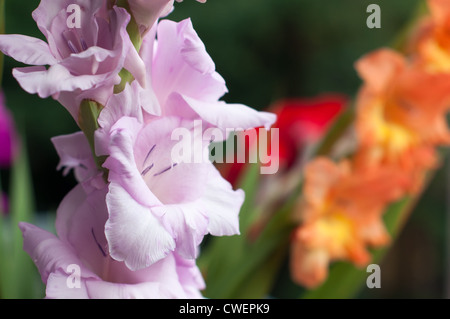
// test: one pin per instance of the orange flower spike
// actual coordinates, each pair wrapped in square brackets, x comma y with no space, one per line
[340,216]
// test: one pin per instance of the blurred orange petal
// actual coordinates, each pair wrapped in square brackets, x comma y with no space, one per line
[309,268]
[341,210]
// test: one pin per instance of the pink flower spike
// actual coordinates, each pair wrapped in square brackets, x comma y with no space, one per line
[156,204]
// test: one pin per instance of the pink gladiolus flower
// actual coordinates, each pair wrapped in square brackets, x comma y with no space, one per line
[146,12]
[185,82]
[83,62]
[76,263]
[156,205]
[159,208]
[8,143]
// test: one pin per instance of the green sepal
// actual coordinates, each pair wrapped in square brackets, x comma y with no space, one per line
[88,122]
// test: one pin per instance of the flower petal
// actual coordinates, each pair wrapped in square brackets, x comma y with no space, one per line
[122,163]
[48,252]
[181,64]
[222,205]
[49,82]
[379,67]
[48,10]
[220,114]
[124,104]
[57,287]
[75,153]
[26,49]
[190,277]
[135,236]
[188,225]
[147,12]
[136,66]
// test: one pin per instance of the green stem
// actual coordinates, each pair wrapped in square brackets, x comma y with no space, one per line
[88,121]
[133,26]
[126,77]
[122,4]
[337,130]
[136,38]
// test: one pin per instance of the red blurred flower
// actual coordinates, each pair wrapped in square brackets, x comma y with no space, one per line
[303,121]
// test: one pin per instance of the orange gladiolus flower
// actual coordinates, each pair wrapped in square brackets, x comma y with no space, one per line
[401,113]
[341,214]
[431,42]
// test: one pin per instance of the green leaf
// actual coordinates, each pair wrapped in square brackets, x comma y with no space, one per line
[335,132]
[217,258]
[18,274]
[3,246]
[236,262]
[259,283]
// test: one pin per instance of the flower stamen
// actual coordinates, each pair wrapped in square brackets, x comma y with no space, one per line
[165,170]
[145,171]
[148,154]
[98,244]
[75,42]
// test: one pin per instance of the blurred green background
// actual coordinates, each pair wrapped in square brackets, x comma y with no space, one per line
[265,50]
